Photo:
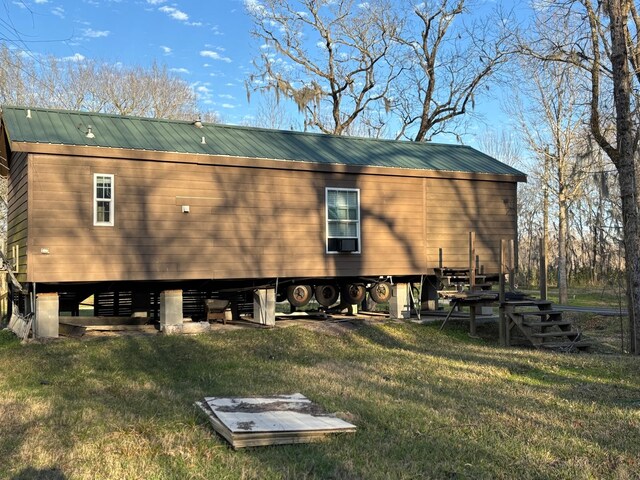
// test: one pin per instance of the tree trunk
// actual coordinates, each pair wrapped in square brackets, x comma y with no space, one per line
[563,291]
[618,12]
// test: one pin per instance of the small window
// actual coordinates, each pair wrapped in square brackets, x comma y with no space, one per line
[343,220]
[103,199]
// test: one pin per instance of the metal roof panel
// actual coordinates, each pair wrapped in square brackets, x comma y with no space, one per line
[114,131]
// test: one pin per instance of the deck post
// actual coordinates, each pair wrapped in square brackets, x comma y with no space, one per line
[47,322]
[472,259]
[171,311]
[502,327]
[400,302]
[264,306]
[512,265]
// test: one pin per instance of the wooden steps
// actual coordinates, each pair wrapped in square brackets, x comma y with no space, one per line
[559,323]
[543,328]
[568,333]
[566,346]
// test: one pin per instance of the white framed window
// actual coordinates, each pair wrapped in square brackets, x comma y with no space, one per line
[343,220]
[103,199]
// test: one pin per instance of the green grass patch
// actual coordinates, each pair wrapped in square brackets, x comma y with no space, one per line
[428,404]
[604,296]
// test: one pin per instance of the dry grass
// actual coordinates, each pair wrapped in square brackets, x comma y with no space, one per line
[428,404]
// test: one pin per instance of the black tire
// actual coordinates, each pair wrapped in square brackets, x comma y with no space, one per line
[353,293]
[326,295]
[380,292]
[299,295]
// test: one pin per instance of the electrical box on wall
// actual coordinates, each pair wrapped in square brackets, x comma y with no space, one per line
[185,208]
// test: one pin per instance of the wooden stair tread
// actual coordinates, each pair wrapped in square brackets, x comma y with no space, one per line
[560,345]
[550,323]
[540,312]
[558,333]
[526,303]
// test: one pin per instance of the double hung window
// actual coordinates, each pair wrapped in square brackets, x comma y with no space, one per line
[343,220]
[103,200]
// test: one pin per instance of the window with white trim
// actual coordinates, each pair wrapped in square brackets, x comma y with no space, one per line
[103,203]
[343,220]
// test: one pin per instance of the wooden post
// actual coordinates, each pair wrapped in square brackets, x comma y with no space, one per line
[502,327]
[512,266]
[543,269]
[472,259]
[440,258]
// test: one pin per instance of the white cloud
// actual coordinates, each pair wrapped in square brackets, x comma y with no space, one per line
[175,13]
[91,33]
[166,50]
[227,96]
[155,2]
[214,55]
[179,70]
[58,12]
[76,57]
[227,105]
[42,1]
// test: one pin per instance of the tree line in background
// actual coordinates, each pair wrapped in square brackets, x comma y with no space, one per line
[93,86]
[407,70]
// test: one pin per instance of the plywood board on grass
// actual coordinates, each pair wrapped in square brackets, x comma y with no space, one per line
[274,420]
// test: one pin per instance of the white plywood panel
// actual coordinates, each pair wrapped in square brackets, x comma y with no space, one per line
[281,413]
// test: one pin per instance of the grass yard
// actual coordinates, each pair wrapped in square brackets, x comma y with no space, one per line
[427,404]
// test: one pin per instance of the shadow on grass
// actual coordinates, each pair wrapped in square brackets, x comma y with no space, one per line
[39,474]
[426,402]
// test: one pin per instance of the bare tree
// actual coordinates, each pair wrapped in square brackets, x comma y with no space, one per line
[272,112]
[446,64]
[602,42]
[94,86]
[551,120]
[328,56]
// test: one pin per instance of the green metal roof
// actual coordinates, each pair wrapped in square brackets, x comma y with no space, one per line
[61,127]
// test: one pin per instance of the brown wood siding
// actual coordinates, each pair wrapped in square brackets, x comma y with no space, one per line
[243,223]
[456,207]
[17,216]
[248,222]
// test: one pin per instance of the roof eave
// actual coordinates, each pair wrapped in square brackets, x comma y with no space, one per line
[251,162]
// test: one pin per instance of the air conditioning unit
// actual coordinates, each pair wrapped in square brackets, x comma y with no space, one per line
[348,245]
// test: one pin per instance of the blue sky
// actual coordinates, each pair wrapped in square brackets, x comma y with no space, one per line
[207,43]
